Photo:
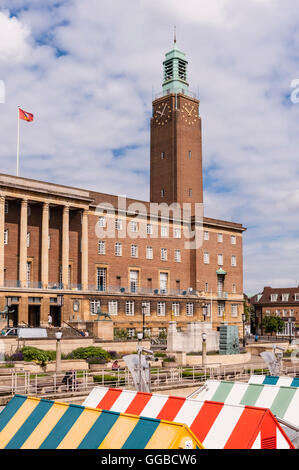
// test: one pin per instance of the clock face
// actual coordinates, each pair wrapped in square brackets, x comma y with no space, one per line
[162,114]
[189,114]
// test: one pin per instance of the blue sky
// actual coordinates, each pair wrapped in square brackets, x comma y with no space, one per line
[87,69]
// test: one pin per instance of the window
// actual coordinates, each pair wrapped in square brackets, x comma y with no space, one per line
[118,249]
[134,226]
[206,235]
[189,309]
[101,279]
[220,284]
[291,312]
[277,313]
[162,155]
[234,289]
[164,254]
[176,309]
[177,233]
[49,242]
[28,210]
[163,283]
[233,240]
[118,224]
[220,260]
[102,221]
[220,237]
[274,297]
[268,313]
[285,297]
[149,229]
[6,237]
[28,274]
[93,306]
[130,307]
[177,256]
[162,192]
[146,309]
[28,239]
[234,310]
[112,307]
[161,309]
[134,278]
[220,309]
[149,252]
[206,287]
[164,231]
[134,251]
[147,332]
[131,332]
[297,297]
[284,313]
[6,207]
[190,192]
[206,258]
[162,332]
[189,154]
[101,247]
[234,261]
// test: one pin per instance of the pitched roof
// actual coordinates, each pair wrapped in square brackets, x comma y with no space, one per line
[216,425]
[33,423]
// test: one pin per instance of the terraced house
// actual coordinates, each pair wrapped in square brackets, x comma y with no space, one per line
[132,258]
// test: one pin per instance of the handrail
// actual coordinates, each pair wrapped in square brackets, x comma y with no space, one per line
[71,326]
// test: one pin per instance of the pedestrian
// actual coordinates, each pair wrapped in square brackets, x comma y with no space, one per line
[50,320]
[115,365]
[256,338]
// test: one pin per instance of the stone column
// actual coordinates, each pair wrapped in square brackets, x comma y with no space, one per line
[84,250]
[45,245]
[2,227]
[23,242]
[65,246]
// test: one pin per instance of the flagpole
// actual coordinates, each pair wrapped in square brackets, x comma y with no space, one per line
[18,143]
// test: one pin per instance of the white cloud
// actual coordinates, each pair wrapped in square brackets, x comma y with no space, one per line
[86,71]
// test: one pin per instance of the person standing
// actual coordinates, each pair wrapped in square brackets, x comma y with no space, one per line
[50,320]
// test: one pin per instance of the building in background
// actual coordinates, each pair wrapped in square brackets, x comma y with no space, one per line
[280,302]
[143,275]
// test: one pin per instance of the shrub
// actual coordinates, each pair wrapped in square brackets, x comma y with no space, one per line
[31,354]
[18,356]
[96,360]
[91,351]
[160,354]
[169,359]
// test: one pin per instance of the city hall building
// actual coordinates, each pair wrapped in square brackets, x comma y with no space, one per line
[67,251]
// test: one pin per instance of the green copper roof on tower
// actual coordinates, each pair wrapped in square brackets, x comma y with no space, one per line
[175,71]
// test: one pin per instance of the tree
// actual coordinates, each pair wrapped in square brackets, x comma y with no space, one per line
[273,324]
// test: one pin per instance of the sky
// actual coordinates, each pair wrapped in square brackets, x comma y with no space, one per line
[88,71]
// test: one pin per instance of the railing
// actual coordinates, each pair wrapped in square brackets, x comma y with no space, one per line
[82,382]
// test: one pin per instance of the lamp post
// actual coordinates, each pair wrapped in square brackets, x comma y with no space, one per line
[244,320]
[143,309]
[290,329]
[139,337]
[204,349]
[58,335]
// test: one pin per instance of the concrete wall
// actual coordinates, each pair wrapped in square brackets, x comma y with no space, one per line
[191,340]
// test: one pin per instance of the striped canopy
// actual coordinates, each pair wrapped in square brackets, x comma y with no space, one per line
[216,425]
[274,380]
[282,401]
[32,423]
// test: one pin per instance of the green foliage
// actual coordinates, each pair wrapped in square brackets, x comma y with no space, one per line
[120,333]
[273,324]
[169,359]
[96,360]
[39,356]
[90,351]
[189,373]
[111,379]
[160,354]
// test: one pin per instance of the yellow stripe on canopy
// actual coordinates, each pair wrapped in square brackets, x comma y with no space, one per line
[79,430]
[46,425]
[16,422]
[119,432]
[163,436]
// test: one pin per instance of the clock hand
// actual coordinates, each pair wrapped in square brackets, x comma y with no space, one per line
[163,110]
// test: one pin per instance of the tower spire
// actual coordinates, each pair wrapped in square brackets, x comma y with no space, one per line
[174,39]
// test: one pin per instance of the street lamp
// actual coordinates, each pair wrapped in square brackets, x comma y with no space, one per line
[143,308]
[244,320]
[58,335]
[204,348]
[290,329]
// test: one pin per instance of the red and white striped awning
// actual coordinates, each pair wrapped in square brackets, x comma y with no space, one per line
[216,425]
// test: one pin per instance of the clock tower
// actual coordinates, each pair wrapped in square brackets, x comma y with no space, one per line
[176,144]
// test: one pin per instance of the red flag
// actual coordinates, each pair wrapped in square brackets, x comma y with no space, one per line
[25,116]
